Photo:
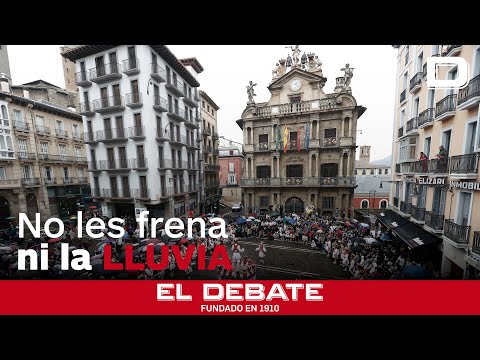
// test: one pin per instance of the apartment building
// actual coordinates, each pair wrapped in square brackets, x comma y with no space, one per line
[140,110]
[436,153]
[230,160]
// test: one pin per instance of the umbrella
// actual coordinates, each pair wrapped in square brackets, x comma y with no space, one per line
[54,240]
[364,225]
[96,257]
[356,249]
[10,218]
[252,217]
[370,240]
[249,220]
[258,220]
[93,207]
[241,221]
[358,240]
[416,272]
[5,250]
[385,237]
[73,218]
[149,241]
[183,241]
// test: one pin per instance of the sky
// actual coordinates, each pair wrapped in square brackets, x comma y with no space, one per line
[229,68]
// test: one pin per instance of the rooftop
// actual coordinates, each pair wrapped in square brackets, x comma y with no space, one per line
[194,63]
[204,95]
[365,184]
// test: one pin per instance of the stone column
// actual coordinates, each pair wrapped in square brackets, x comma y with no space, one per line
[272,173]
[340,170]
[348,173]
[350,121]
[278,166]
[342,128]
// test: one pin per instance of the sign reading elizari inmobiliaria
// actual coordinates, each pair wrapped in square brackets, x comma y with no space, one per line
[441,181]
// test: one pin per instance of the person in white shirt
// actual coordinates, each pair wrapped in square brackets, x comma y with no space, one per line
[261,252]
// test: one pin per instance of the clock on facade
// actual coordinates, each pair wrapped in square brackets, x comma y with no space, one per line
[295,85]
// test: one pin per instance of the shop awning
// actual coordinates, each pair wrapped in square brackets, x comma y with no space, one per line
[391,219]
[415,236]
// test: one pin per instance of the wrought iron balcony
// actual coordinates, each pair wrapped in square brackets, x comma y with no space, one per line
[49,181]
[445,108]
[87,109]
[89,138]
[134,100]
[212,167]
[434,221]
[81,79]
[61,133]
[418,213]
[207,132]
[140,164]
[69,180]
[112,135]
[175,86]
[322,105]
[190,98]
[94,166]
[469,96]
[131,66]
[464,164]
[216,152]
[31,181]
[96,193]
[261,146]
[400,132]
[157,73]
[412,126]
[455,232]
[215,136]
[476,243]
[83,180]
[207,149]
[160,104]
[166,192]
[191,123]
[20,125]
[439,166]
[452,50]
[109,104]
[165,164]
[176,139]
[104,73]
[141,193]
[115,164]
[176,113]
[76,137]
[161,135]
[426,117]
[403,95]
[24,156]
[136,132]
[408,167]
[416,82]
[42,130]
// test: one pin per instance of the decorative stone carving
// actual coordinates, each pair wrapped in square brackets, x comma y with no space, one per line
[294,159]
[251,93]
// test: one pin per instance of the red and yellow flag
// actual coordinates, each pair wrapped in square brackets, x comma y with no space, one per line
[285,139]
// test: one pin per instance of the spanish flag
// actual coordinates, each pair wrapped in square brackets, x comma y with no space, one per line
[285,139]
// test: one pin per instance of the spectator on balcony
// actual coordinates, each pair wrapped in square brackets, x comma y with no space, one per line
[442,158]
[423,162]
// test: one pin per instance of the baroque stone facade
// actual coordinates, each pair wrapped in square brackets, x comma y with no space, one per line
[300,146]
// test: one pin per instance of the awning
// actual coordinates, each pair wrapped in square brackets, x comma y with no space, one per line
[391,219]
[414,236]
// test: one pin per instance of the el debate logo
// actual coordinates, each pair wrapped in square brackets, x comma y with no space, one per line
[435,62]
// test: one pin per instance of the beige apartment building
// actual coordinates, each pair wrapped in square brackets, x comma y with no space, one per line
[300,145]
[43,166]
[439,191]
[211,180]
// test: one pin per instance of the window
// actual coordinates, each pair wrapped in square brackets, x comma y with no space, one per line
[470,141]
[81,172]
[263,139]
[263,200]
[263,172]
[386,171]
[44,148]
[203,104]
[3,174]
[22,147]
[420,62]
[48,174]
[435,50]
[372,172]
[364,172]
[62,151]
[356,172]
[438,201]
[329,169]
[65,173]
[407,54]
[78,152]
[295,171]
[405,82]
[27,172]
[208,108]
[463,212]
[408,149]
[295,99]
[383,204]
[59,126]
[330,133]
[328,202]
[446,136]
[402,118]
[426,146]
[5,115]
[431,99]
[231,152]
[76,131]
[231,167]
[213,112]
[379,171]
[232,179]
[18,118]
[364,204]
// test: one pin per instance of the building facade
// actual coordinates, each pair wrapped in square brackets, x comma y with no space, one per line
[209,127]
[4,63]
[373,181]
[300,145]
[230,160]
[43,165]
[436,152]
[140,110]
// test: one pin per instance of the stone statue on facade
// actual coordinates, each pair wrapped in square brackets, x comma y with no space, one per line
[276,72]
[304,61]
[347,75]
[251,93]
[318,64]
[283,68]
[295,55]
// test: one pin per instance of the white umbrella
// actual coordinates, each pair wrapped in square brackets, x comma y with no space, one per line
[249,220]
[258,220]
[370,240]
[252,217]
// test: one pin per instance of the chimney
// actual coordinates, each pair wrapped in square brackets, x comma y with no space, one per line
[4,85]
[365,153]
[26,94]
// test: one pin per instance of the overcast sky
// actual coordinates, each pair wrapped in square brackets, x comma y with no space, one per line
[228,68]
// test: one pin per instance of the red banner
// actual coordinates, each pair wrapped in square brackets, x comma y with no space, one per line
[332,297]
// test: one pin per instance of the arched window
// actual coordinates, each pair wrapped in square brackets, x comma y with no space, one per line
[383,204]
[4,112]
[364,204]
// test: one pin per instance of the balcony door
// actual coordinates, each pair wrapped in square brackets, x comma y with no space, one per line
[135,93]
[125,186]
[132,61]
[100,66]
[107,125]
[83,72]
[438,203]
[113,63]
[113,186]
[104,97]
[471,133]
[329,170]
[48,173]
[27,172]
[463,213]
[111,158]
[446,137]
[120,127]
[116,95]
[22,147]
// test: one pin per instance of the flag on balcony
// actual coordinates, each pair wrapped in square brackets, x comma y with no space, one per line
[307,135]
[285,139]
[298,137]
[279,137]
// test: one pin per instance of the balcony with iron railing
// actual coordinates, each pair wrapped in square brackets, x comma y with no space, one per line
[24,156]
[76,136]
[162,135]
[134,100]
[212,167]
[165,164]
[60,158]
[160,104]
[83,180]
[412,126]
[416,82]
[166,192]
[140,164]
[49,181]
[109,104]
[42,130]
[157,73]
[408,167]
[20,126]
[95,193]
[94,166]
[115,193]
[452,50]
[263,146]
[215,136]
[89,138]
[469,96]
[87,108]
[180,165]
[131,66]
[69,180]
[458,234]
[207,132]
[190,98]
[136,132]
[322,105]
[418,213]
[426,118]
[116,165]
[112,135]
[216,152]
[141,193]
[403,96]
[81,79]
[61,133]
[106,72]
[296,145]
[190,122]
[476,243]
[439,166]
[445,108]
[176,139]
[31,181]
[176,113]
[434,221]
[424,71]
[175,86]
[207,149]
[464,166]
[405,208]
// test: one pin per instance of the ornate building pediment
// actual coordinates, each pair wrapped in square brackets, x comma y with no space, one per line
[301,74]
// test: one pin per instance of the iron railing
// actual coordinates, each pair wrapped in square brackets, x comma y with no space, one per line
[464,164]
[447,104]
[470,91]
[455,232]
[435,221]
[427,116]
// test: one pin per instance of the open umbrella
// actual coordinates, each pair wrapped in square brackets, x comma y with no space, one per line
[370,240]
[358,240]
[93,207]
[241,221]
[10,218]
[5,250]
[183,241]
[364,225]
[249,220]
[385,237]
[149,241]
[54,240]
[258,220]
